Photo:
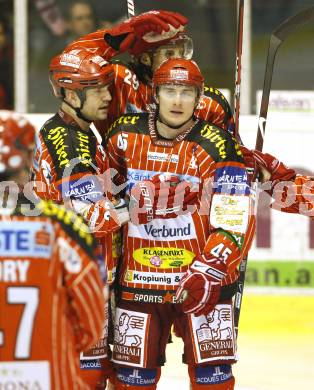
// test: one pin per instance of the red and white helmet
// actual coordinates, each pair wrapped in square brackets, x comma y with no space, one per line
[178,71]
[17,135]
[77,70]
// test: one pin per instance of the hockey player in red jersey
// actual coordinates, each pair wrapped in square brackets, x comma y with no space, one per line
[184,267]
[132,86]
[51,291]
[150,38]
[70,166]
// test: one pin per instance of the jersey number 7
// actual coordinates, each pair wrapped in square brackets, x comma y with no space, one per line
[29,297]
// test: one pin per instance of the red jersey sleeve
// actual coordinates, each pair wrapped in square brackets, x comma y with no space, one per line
[95,42]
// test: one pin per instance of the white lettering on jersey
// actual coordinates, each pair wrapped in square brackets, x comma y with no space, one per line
[14,270]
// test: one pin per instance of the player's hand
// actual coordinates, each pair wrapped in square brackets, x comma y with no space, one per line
[136,34]
[163,196]
[250,163]
[104,217]
[199,289]
[276,169]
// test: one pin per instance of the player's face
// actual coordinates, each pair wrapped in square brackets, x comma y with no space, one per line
[176,103]
[163,53]
[81,20]
[97,102]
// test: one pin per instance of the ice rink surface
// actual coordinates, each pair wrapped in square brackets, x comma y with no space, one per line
[275,346]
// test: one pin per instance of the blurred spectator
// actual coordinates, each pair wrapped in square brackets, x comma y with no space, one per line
[80,20]
[51,15]
[6,68]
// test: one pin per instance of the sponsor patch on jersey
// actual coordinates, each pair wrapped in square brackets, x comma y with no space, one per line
[162,157]
[25,375]
[125,120]
[230,212]
[25,239]
[130,338]
[87,188]
[163,258]
[213,134]
[231,180]
[137,377]
[136,175]
[151,296]
[211,374]
[156,278]
[100,349]
[213,335]
[90,364]
[176,229]
[57,138]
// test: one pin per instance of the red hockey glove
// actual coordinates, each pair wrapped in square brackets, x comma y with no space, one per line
[140,32]
[277,170]
[163,196]
[103,217]
[250,163]
[269,168]
[200,286]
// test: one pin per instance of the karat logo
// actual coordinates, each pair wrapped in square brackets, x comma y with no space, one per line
[83,189]
[139,175]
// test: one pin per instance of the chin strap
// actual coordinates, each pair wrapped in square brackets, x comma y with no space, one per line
[78,110]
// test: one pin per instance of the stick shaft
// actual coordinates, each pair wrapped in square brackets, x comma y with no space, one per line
[238,66]
[131,8]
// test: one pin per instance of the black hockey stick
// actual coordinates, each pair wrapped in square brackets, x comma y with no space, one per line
[238,67]
[239,293]
[277,37]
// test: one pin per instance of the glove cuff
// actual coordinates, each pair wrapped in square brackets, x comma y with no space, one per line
[115,41]
[213,272]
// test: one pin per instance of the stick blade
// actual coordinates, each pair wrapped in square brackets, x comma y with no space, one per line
[295,22]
